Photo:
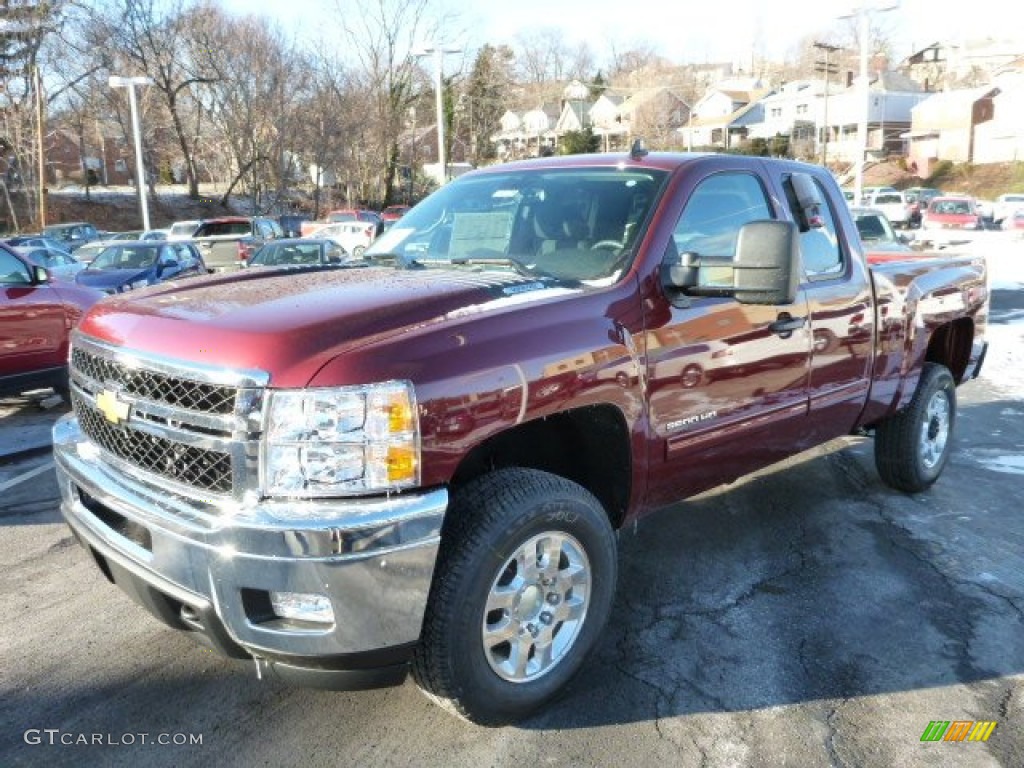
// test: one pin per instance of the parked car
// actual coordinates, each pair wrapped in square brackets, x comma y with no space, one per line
[892,203]
[137,234]
[183,230]
[1005,205]
[58,262]
[951,212]
[876,232]
[354,236]
[291,223]
[345,214]
[1014,222]
[227,243]
[917,199]
[35,241]
[298,252]
[122,266]
[394,212]
[36,318]
[72,235]
[867,192]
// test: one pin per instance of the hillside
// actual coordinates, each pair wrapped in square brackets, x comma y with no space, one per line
[117,209]
[982,181]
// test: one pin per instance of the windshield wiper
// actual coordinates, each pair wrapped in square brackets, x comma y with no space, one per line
[394,259]
[497,261]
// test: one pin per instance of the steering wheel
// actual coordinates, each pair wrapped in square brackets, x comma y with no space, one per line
[616,245]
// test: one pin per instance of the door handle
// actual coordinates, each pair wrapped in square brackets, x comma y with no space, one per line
[786,324]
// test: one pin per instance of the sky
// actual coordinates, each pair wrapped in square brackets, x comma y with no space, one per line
[681,30]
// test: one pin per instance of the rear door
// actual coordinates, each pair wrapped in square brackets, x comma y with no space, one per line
[841,312]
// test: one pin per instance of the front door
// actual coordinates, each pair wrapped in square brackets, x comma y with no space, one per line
[727,390]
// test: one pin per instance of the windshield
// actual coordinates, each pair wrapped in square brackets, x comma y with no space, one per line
[569,223]
[874,228]
[125,257]
[278,254]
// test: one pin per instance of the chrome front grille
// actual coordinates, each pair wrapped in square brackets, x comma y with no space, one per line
[151,385]
[195,467]
[193,428]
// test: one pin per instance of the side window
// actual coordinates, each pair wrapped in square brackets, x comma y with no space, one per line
[710,223]
[819,245]
[12,271]
[334,253]
[719,206]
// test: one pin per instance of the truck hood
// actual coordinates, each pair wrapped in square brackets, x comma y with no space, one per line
[289,323]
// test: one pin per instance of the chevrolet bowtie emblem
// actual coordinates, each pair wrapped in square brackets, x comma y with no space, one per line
[113,409]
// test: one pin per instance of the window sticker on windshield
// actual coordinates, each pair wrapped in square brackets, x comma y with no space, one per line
[506,193]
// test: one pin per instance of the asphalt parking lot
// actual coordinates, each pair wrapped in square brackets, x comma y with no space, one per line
[806,616]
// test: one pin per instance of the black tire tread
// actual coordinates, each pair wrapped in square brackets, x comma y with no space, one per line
[483,503]
[896,437]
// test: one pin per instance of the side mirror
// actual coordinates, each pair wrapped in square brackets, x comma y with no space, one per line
[40,275]
[808,200]
[765,269]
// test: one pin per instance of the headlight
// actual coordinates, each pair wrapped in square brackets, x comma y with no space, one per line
[341,441]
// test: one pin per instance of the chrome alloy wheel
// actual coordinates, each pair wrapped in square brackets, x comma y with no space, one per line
[935,429]
[536,607]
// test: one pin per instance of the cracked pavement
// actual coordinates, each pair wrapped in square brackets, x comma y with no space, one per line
[806,616]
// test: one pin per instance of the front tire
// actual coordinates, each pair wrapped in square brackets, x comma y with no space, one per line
[522,591]
[913,446]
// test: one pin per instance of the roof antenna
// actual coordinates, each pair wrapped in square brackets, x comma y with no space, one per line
[638,150]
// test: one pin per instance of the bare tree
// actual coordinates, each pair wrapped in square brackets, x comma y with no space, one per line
[25,28]
[247,68]
[150,37]
[382,38]
[541,56]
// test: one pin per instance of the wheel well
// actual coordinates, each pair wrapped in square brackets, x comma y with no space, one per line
[589,446]
[950,345]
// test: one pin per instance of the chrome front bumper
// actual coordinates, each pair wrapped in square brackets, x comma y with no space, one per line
[208,566]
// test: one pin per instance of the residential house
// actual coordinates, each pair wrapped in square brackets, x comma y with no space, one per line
[606,120]
[943,126]
[970,125]
[656,114]
[891,97]
[958,64]
[797,111]
[1001,139]
[722,117]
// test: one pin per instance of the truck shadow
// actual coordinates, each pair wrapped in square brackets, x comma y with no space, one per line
[813,581]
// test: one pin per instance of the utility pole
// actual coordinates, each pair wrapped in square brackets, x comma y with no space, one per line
[828,68]
[40,150]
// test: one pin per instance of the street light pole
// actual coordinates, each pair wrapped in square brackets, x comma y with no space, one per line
[863,14]
[130,83]
[439,51]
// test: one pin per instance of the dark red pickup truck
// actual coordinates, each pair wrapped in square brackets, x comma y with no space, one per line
[421,461]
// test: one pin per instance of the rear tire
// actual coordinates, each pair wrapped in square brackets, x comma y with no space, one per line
[522,591]
[913,446]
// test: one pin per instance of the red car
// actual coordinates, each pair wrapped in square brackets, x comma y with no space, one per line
[394,212]
[36,318]
[1014,221]
[951,213]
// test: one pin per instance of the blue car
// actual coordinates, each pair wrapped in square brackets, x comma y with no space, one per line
[122,266]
